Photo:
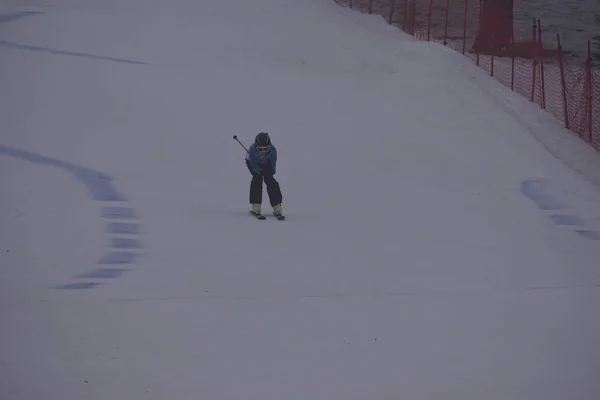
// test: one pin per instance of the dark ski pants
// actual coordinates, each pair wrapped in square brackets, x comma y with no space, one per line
[256,188]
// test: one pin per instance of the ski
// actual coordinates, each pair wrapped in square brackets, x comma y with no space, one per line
[257,215]
[279,217]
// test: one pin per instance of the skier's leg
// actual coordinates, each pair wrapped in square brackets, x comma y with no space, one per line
[255,186]
[256,192]
[274,192]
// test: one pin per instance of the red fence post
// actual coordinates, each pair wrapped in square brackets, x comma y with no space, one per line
[480,12]
[465,27]
[542,75]
[429,20]
[588,68]
[405,15]
[492,59]
[512,67]
[446,23]
[534,55]
[563,83]
[392,6]
[413,13]
[370,6]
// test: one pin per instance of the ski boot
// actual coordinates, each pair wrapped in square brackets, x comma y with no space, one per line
[256,211]
[277,212]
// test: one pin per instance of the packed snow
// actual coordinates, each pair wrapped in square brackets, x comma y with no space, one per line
[442,239]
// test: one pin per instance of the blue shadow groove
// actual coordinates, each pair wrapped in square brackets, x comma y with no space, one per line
[4,18]
[100,188]
[566,220]
[535,190]
[67,53]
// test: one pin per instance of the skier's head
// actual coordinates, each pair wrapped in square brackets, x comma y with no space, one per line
[263,143]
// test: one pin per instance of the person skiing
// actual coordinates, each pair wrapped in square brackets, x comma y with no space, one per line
[261,160]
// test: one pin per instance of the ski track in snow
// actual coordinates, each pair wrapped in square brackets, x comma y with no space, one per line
[113,206]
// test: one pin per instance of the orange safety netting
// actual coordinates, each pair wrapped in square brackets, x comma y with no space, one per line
[483,31]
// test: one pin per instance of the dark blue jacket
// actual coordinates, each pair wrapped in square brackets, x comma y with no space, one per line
[259,163]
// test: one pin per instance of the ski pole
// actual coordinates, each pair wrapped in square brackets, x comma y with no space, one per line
[236,138]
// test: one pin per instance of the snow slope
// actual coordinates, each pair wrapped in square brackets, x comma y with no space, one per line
[437,246]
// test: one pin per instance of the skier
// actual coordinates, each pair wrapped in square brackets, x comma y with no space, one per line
[261,160]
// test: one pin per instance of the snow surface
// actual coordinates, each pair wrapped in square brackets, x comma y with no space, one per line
[442,239]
